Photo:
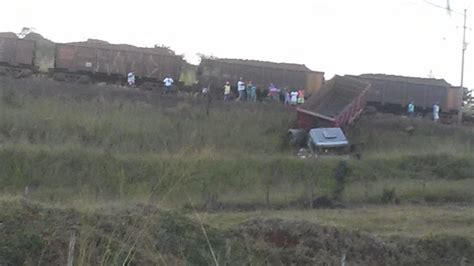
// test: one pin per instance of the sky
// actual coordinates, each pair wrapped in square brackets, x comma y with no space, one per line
[405,37]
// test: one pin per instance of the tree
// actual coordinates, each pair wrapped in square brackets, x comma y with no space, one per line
[25,31]
[467,95]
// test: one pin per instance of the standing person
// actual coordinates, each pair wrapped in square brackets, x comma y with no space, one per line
[227,91]
[253,92]
[411,109]
[241,89]
[300,97]
[131,79]
[205,91]
[435,112]
[294,97]
[287,97]
[168,81]
[273,92]
[248,90]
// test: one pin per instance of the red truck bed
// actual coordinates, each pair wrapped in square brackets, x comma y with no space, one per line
[340,101]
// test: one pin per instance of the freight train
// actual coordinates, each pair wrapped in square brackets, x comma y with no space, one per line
[100,61]
[214,72]
[93,60]
[391,93]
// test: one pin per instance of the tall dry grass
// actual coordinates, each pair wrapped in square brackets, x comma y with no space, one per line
[72,143]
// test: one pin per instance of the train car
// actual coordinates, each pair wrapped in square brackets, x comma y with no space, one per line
[44,54]
[392,93]
[111,62]
[339,102]
[215,72]
[16,56]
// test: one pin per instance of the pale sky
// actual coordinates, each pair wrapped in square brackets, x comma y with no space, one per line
[405,37]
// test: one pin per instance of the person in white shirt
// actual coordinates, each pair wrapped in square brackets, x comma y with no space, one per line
[241,89]
[168,82]
[435,112]
[294,97]
[131,79]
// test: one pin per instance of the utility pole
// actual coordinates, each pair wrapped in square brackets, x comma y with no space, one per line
[464,47]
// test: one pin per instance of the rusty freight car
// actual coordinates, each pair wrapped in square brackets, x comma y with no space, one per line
[111,62]
[339,102]
[16,55]
[392,93]
[215,72]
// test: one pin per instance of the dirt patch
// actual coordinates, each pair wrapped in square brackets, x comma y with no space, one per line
[304,243]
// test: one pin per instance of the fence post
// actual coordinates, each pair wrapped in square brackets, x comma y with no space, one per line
[72,245]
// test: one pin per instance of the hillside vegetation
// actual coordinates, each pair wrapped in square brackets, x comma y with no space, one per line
[68,142]
[79,149]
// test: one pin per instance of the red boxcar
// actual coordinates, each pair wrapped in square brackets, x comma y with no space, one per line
[339,102]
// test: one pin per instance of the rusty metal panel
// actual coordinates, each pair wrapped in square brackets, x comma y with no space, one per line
[16,52]
[391,92]
[24,52]
[260,74]
[65,55]
[399,90]
[314,82]
[86,59]
[111,62]
[133,62]
[159,66]
[339,101]
[76,58]
[7,51]
[145,65]
[453,100]
[152,66]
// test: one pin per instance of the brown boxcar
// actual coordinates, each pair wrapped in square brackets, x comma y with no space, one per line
[16,52]
[215,72]
[339,102]
[393,93]
[109,60]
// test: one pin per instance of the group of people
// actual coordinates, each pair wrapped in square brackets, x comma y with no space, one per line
[168,82]
[248,92]
[435,110]
[294,97]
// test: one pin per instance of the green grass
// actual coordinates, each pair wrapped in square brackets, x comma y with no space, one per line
[415,221]
[77,143]
[90,150]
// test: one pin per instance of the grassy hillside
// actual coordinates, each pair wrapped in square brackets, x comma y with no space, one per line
[69,142]
[34,234]
[80,150]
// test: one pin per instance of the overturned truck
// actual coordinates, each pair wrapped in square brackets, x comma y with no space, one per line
[338,104]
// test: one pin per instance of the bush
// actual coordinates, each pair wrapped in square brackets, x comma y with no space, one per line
[389,196]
